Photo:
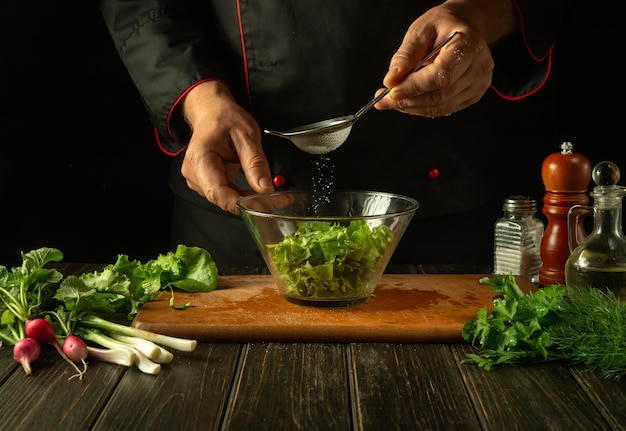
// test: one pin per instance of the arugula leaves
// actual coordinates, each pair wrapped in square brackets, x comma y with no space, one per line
[580,325]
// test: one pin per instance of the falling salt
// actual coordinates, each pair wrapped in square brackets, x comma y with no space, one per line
[324,181]
[325,174]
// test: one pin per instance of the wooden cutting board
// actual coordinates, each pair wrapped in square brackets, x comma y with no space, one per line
[405,308]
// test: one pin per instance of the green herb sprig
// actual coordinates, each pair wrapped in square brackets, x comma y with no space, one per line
[583,325]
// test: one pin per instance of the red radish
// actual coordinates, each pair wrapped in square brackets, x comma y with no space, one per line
[75,348]
[41,330]
[26,351]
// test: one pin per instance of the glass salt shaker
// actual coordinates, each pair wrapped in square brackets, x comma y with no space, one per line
[517,240]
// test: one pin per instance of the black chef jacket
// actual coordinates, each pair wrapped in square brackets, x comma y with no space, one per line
[293,62]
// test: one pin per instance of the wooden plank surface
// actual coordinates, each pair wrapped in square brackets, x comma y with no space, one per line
[190,393]
[405,308]
[530,396]
[49,400]
[290,386]
[409,386]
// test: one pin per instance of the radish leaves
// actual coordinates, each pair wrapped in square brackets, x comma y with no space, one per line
[31,292]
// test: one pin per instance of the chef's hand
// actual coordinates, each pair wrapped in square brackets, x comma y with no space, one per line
[224,138]
[462,71]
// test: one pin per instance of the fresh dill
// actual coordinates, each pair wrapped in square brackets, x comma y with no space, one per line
[583,326]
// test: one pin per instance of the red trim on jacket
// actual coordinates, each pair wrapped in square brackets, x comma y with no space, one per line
[174,107]
[547,57]
[243,53]
[169,117]
[162,148]
[530,93]
[530,51]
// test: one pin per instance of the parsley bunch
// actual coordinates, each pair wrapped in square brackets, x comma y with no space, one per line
[582,325]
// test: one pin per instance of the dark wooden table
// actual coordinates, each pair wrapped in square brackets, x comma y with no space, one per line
[309,386]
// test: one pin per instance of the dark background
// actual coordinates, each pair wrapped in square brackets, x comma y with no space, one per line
[80,169]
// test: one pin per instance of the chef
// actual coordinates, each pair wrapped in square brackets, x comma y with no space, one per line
[213,74]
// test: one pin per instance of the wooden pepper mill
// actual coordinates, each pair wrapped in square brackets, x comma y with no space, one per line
[566,176]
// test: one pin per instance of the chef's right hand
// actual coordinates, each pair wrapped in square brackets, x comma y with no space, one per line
[225,137]
[462,71]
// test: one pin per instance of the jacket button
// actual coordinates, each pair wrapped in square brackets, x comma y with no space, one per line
[279,181]
[433,174]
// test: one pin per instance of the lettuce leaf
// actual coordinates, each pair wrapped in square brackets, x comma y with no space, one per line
[326,259]
[126,285]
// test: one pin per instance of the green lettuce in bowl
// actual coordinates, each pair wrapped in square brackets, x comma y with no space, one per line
[327,248]
[329,260]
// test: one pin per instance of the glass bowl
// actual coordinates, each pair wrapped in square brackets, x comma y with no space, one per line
[327,248]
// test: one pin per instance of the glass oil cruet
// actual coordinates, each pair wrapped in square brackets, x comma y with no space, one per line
[599,259]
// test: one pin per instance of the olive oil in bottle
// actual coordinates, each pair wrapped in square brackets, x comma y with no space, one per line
[599,259]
